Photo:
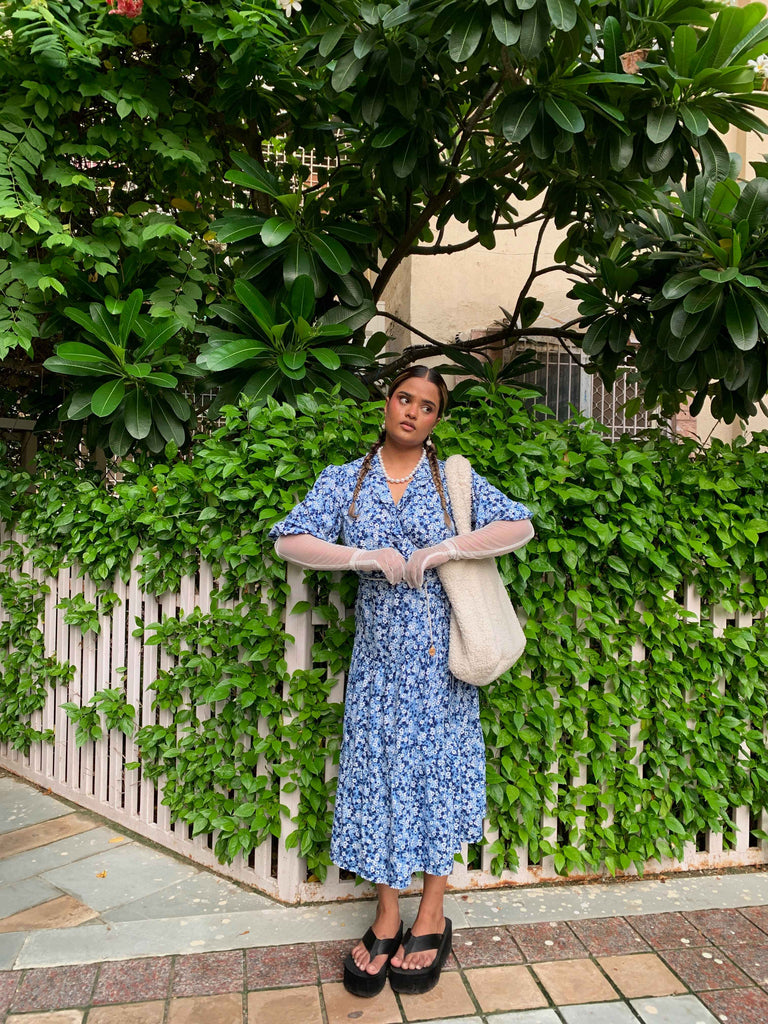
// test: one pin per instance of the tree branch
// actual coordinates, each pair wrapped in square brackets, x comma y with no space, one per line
[435,347]
[442,250]
[532,276]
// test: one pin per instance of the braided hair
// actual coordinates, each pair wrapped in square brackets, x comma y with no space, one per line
[429,446]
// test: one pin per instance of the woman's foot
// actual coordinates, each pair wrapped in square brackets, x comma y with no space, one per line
[422,960]
[385,926]
[426,923]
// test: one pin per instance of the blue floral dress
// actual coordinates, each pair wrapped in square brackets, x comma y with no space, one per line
[411,782]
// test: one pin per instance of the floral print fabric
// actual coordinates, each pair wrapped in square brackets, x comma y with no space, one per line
[411,782]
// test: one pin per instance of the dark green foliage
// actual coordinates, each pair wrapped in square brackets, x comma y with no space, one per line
[690,283]
[168,155]
[622,530]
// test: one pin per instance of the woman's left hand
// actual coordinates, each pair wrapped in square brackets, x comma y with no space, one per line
[426,558]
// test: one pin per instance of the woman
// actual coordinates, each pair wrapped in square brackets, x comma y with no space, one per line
[411,785]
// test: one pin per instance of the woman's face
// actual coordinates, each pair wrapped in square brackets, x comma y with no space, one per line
[411,412]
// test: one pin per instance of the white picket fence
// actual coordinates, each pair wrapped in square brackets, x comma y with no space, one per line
[94,776]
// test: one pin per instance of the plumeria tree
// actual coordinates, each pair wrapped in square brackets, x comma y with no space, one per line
[161,148]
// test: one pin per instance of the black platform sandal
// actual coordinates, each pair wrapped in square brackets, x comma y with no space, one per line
[422,979]
[361,983]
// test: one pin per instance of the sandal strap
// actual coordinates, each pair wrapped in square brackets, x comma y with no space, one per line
[376,946]
[418,943]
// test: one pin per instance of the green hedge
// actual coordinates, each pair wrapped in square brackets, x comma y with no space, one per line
[621,529]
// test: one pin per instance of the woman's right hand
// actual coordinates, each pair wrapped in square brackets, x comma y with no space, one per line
[386,560]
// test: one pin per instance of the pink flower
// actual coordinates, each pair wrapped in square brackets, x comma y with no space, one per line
[128,8]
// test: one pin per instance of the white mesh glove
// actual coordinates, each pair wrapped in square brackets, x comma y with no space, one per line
[489,541]
[312,553]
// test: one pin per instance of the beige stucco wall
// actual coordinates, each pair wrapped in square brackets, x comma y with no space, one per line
[457,293]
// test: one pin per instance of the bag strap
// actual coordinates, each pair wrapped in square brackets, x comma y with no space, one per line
[458,476]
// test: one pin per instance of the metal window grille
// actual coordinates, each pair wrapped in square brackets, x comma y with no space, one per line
[566,386]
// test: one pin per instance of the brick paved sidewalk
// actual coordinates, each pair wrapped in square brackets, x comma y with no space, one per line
[75,892]
[678,968]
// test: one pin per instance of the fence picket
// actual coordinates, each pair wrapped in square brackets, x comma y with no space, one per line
[95,777]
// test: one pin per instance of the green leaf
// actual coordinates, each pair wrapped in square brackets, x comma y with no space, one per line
[327,358]
[365,42]
[741,322]
[276,230]
[715,158]
[167,423]
[107,398]
[613,44]
[721,276]
[332,253]
[128,315]
[162,380]
[702,298]
[563,14]
[138,415]
[301,299]
[397,16]
[256,304]
[534,32]
[120,440]
[660,123]
[683,49]
[517,117]
[346,71]
[262,384]
[564,113]
[156,337]
[753,203]
[292,364]
[351,232]
[298,262]
[505,30]
[330,38]
[695,120]
[237,226]
[178,405]
[406,156]
[254,176]
[465,36]
[387,137]
[401,66]
[231,354]
[78,367]
[679,285]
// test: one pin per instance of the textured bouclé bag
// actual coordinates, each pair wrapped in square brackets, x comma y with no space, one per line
[486,637]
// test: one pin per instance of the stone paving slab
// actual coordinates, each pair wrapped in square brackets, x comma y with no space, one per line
[10,947]
[598,1013]
[56,854]
[674,1010]
[200,894]
[22,805]
[44,833]
[525,1017]
[25,894]
[119,875]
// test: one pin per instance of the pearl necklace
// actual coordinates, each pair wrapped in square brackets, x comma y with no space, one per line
[400,479]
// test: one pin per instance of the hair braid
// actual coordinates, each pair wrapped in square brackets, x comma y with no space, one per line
[367,462]
[429,447]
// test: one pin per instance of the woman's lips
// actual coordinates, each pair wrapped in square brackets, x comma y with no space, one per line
[407,426]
